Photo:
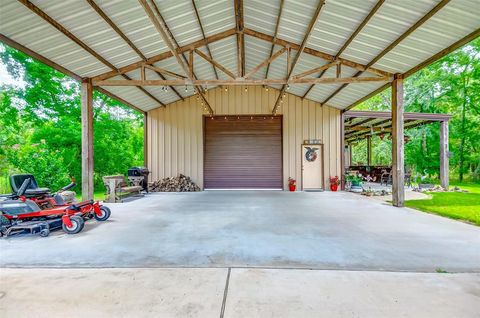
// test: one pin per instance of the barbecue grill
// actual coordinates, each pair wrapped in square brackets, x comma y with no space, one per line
[138,176]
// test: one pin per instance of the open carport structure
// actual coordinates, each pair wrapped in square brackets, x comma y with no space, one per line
[305,61]
[366,124]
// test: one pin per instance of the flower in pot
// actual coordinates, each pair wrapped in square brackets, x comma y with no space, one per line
[292,184]
[355,181]
[334,183]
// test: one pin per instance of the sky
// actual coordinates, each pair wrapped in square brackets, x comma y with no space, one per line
[7,79]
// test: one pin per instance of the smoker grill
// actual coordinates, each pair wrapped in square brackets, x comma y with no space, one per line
[138,176]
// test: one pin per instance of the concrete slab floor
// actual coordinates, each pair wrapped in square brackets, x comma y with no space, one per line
[111,292]
[183,292]
[300,293]
[271,229]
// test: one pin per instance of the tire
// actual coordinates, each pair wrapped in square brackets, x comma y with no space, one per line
[105,214]
[77,225]
[44,233]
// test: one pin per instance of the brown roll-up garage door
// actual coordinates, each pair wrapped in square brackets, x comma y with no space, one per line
[243,152]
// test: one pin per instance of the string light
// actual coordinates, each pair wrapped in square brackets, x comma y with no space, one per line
[288,87]
[186,89]
[246,89]
[226,88]
[266,88]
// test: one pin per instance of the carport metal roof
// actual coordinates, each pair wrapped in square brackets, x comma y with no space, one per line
[361,124]
[349,49]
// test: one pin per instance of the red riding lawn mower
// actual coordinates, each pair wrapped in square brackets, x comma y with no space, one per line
[33,210]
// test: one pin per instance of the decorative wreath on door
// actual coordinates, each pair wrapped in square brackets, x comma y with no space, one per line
[311,154]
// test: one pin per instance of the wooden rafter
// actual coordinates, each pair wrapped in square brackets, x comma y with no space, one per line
[164,71]
[239,24]
[392,45]
[350,39]
[166,37]
[313,52]
[316,69]
[215,63]
[308,32]
[72,37]
[39,57]
[266,62]
[165,55]
[112,24]
[237,81]
[280,11]
[203,35]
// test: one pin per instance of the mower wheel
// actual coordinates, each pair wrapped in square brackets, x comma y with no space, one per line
[105,214]
[77,225]
[44,233]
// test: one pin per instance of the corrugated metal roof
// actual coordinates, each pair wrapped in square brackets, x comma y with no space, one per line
[338,20]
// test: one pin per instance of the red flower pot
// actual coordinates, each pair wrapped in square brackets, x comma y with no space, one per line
[334,187]
[292,187]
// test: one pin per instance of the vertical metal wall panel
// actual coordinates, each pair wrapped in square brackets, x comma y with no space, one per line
[176,141]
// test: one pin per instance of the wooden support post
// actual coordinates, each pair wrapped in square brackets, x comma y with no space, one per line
[398,172]
[369,150]
[145,140]
[444,164]
[350,154]
[87,139]
[342,151]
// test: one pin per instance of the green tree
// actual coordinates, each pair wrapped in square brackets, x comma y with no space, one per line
[41,128]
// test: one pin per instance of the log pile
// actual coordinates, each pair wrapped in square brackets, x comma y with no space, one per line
[181,183]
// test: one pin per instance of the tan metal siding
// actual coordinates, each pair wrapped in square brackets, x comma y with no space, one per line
[175,134]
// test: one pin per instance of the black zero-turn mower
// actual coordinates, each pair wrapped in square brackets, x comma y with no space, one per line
[39,212]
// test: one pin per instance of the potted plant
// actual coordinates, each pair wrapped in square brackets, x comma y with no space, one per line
[334,183]
[356,182]
[292,184]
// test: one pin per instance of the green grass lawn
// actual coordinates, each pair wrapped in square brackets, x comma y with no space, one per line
[455,205]
[97,196]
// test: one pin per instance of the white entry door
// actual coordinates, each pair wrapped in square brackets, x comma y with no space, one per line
[312,167]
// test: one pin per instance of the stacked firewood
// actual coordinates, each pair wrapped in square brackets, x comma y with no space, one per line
[181,183]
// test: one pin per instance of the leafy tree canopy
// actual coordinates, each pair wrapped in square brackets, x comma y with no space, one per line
[41,128]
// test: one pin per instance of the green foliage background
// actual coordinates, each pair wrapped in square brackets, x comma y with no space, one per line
[451,85]
[40,128]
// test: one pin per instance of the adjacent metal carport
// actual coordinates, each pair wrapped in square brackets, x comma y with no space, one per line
[366,124]
[337,53]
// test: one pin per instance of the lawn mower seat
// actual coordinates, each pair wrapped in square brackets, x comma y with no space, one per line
[33,190]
